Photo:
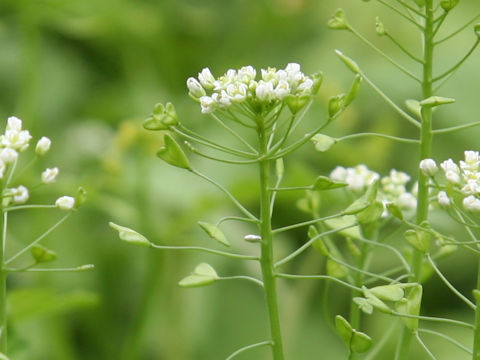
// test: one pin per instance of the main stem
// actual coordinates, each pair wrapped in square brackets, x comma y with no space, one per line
[266,260]
[476,334]
[425,152]
[3,286]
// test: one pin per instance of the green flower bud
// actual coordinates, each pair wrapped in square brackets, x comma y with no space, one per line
[448,5]
[130,236]
[336,104]
[162,118]
[202,275]
[80,197]
[41,254]
[323,142]
[317,82]
[379,27]
[476,28]
[173,154]
[338,21]
[214,232]
[296,103]
[352,65]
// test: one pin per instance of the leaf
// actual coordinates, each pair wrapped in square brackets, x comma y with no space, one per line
[325,183]
[214,232]
[130,236]
[202,275]
[173,154]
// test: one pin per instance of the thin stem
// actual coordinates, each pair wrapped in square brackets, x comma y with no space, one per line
[305,223]
[388,58]
[242,277]
[249,347]
[266,259]
[317,277]
[449,285]
[309,243]
[380,344]
[361,271]
[207,250]
[410,8]
[404,49]
[389,101]
[3,279]
[226,192]
[22,207]
[385,136]
[459,30]
[460,63]
[434,319]
[73,269]
[400,13]
[227,161]
[448,338]
[235,218]
[455,128]
[234,133]
[37,240]
[425,346]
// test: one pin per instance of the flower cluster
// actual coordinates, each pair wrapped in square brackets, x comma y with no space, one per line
[392,188]
[14,141]
[463,178]
[240,86]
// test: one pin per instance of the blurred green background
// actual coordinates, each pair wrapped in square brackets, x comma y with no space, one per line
[86,73]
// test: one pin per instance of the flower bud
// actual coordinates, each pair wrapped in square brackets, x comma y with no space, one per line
[428,167]
[252,238]
[49,175]
[19,195]
[471,203]
[8,155]
[379,27]
[195,88]
[448,5]
[352,65]
[43,146]
[323,142]
[206,79]
[338,21]
[443,199]
[65,203]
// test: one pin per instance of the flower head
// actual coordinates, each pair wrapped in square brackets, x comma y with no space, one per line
[65,203]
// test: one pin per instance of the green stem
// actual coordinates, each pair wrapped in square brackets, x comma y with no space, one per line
[425,152]
[3,284]
[266,259]
[476,333]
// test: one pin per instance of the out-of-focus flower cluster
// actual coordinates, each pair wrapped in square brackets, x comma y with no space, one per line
[392,188]
[14,141]
[243,86]
[462,178]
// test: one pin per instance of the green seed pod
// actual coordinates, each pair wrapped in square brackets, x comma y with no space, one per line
[363,305]
[296,103]
[338,21]
[202,275]
[420,240]
[214,232]
[352,65]
[173,154]
[325,183]
[323,142]
[388,292]
[336,270]
[336,104]
[476,28]
[434,101]
[375,301]
[379,27]
[130,236]
[354,89]
[360,342]
[448,5]
[317,82]
[411,306]
[41,254]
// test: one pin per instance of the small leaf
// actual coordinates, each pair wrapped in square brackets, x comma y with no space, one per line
[360,342]
[173,154]
[325,183]
[388,292]
[344,329]
[202,275]
[130,236]
[214,232]
[41,254]
[323,142]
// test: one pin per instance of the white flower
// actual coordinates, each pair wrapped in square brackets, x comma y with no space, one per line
[14,124]
[471,161]
[264,91]
[305,87]
[471,203]
[8,155]
[472,187]
[206,79]
[449,165]
[270,75]
[237,92]
[428,167]
[3,167]
[18,140]
[399,177]
[338,174]
[407,201]
[452,177]
[195,88]
[65,203]
[282,90]
[443,199]
[50,175]
[43,145]
[246,74]
[207,104]
[20,194]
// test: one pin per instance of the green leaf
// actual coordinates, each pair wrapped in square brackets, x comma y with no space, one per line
[202,275]
[358,205]
[344,329]
[347,220]
[325,183]
[130,236]
[41,254]
[323,142]
[360,342]
[31,303]
[214,232]
[388,292]
[173,154]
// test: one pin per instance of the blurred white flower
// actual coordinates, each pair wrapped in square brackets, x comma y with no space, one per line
[428,167]
[195,88]
[19,195]
[50,175]
[43,146]
[8,155]
[206,78]
[443,199]
[471,203]
[65,203]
